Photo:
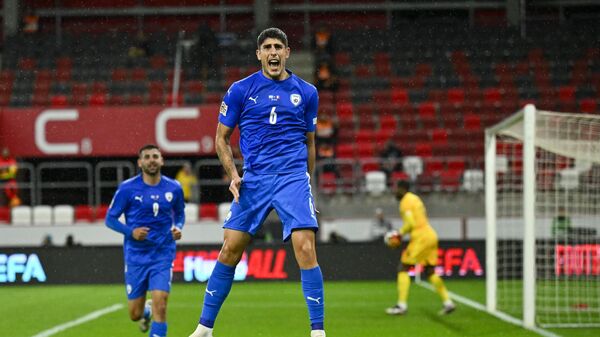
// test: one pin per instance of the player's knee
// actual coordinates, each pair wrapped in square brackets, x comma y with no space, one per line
[305,253]
[135,314]
[230,255]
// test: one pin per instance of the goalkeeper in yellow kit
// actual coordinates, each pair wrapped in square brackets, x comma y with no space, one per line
[422,249]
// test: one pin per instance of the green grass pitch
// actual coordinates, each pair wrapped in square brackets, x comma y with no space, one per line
[270,309]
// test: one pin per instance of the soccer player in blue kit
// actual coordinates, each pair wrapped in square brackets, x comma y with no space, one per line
[153,206]
[276,113]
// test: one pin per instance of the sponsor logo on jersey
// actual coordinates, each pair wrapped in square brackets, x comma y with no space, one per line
[169,196]
[295,99]
[274,98]
[223,109]
[253,99]
[155,197]
[140,198]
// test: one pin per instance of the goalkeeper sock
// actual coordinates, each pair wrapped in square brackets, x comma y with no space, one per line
[217,289]
[312,287]
[440,288]
[158,329]
[403,286]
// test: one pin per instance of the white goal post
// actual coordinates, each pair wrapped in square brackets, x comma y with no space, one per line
[542,172]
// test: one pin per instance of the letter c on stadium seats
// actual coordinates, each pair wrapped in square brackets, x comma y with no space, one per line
[162,138]
[54,115]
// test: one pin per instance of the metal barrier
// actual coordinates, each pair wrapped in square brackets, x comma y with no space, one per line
[121,170]
[57,170]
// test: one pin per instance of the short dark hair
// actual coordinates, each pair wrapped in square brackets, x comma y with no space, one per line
[404,184]
[274,33]
[147,147]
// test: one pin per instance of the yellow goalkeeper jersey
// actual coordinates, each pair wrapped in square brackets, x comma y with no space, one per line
[414,216]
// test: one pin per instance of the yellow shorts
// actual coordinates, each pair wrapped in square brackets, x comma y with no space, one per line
[421,249]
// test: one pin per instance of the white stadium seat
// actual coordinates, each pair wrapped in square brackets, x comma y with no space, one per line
[64,215]
[21,216]
[473,180]
[375,183]
[413,166]
[191,212]
[223,210]
[42,215]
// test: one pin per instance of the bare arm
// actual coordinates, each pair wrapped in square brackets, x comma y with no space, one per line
[312,152]
[225,154]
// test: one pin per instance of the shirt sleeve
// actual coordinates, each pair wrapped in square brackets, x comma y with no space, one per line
[231,106]
[408,222]
[117,207]
[179,209]
[312,106]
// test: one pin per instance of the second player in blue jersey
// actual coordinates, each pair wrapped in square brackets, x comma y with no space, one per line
[153,207]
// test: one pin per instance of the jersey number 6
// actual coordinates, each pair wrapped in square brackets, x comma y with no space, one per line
[273,116]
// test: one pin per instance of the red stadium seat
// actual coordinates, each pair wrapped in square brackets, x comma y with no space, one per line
[456,95]
[472,122]
[365,150]
[400,96]
[439,136]
[327,183]
[84,213]
[59,101]
[450,180]
[344,151]
[388,122]
[588,105]
[423,150]
[566,94]
[4,214]
[138,74]
[456,164]
[209,211]
[120,74]
[97,100]
[100,213]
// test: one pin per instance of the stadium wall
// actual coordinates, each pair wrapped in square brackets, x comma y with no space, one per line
[210,232]
[261,262]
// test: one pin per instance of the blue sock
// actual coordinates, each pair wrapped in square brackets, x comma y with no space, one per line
[158,329]
[217,289]
[312,286]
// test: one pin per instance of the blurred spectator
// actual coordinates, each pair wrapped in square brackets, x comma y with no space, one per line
[325,78]
[335,237]
[323,44]
[8,178]
[380,226]
[47,241]
[391,158]
[326,155]
[70,242]
[139,49]
[188,182]
[205,51]
[31,22]
[326,130]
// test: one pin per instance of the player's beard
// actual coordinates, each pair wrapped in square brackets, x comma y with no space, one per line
[151,170]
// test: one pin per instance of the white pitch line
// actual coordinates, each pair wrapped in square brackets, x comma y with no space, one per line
[89,317]
[500,315]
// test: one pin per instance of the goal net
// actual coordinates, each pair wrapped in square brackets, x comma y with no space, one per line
[543,218]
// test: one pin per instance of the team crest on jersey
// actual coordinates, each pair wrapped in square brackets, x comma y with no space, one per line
[223,109]
[169,196]
[295,99]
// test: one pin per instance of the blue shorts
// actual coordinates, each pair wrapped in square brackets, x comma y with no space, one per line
[289,194]
[141,278]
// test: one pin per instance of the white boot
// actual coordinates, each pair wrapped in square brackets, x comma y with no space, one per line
[202,331]
[317,333]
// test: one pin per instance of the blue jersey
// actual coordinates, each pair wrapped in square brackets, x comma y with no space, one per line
[273,118]
[157,207]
